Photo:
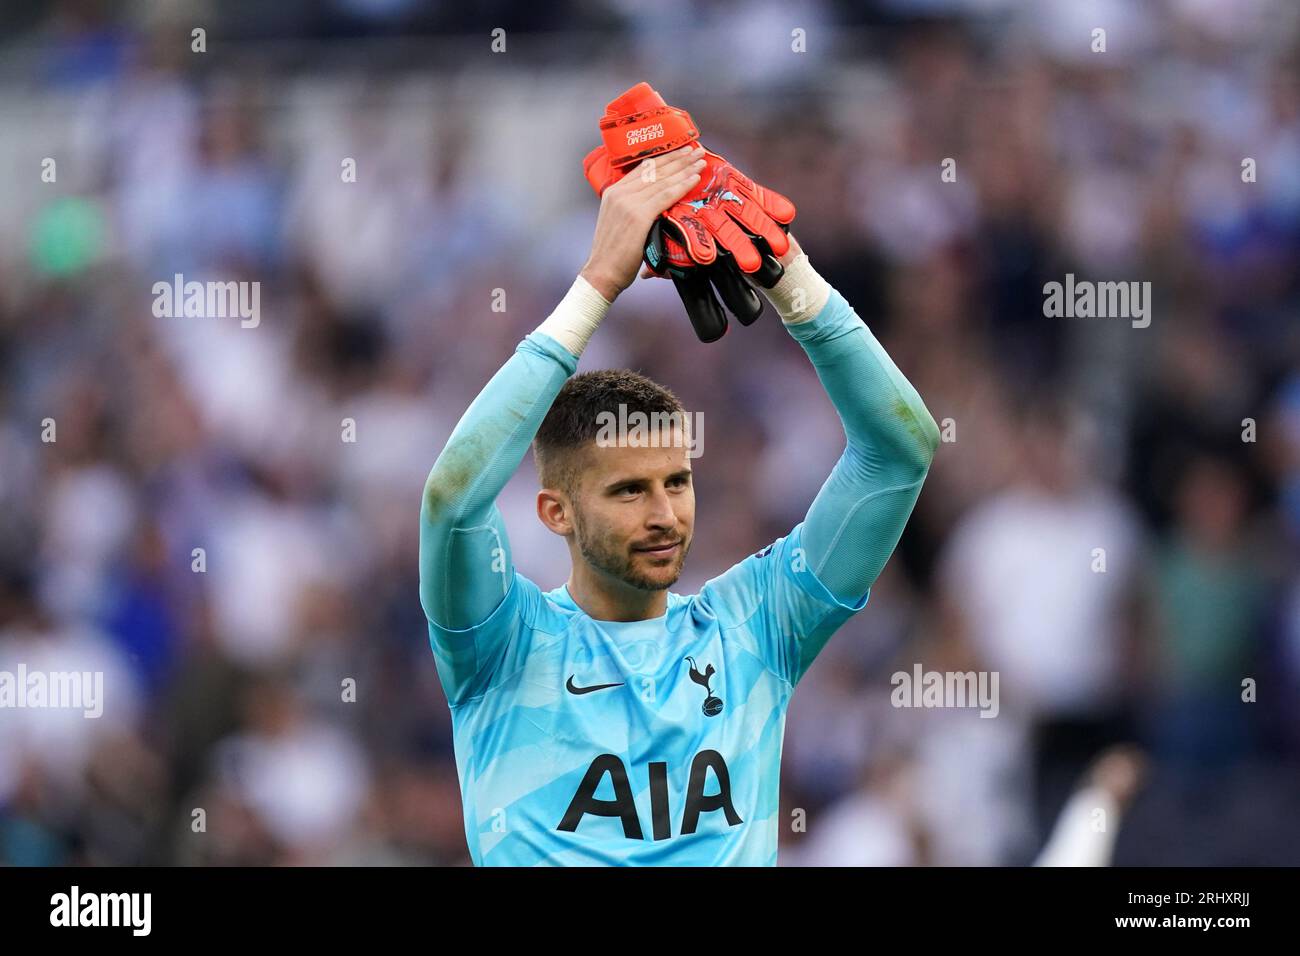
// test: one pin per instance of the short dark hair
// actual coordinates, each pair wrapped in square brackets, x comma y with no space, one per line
[574,418]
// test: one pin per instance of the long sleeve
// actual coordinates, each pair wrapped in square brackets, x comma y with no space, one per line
[858,516]
[795,593]
[465,563]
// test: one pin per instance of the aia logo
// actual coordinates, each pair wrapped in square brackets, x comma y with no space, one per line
[712,706]
[623,806]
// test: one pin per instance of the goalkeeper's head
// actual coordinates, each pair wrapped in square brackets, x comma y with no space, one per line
[613,458]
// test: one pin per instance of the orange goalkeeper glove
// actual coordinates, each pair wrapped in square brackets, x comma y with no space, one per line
[728,227]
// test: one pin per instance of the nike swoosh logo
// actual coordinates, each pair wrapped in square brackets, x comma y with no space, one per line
[575,689]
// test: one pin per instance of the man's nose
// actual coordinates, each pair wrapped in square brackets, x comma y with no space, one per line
[661,513]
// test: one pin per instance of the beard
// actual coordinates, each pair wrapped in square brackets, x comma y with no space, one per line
[618,560]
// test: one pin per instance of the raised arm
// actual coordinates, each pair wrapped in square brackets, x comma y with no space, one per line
[466,569]
[859,514]
[465,563]
[795,593]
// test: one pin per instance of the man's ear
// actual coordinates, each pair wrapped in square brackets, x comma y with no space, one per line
[555,511]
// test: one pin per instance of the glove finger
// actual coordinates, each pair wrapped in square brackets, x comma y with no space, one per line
[770,272]
[678,255]
[668,256]
[695,235]
[737,295]
[769,200]
[774,204]
[732,238]
[702,308]
[664,250]
[759,224]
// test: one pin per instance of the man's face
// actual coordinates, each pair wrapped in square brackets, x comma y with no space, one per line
[634,511]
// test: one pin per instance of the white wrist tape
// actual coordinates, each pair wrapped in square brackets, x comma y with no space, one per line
[801,293]
[577,316]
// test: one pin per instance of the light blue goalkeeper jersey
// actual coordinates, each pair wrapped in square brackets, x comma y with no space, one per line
[647,742]
[585,742]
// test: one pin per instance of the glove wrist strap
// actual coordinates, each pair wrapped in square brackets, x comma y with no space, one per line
[634,136]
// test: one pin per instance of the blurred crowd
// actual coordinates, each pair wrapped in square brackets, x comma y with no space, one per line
[226,522]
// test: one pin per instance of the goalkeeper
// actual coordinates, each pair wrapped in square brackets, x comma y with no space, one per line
[611,720]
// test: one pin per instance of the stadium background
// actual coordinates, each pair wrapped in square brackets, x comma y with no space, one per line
[1070,434]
